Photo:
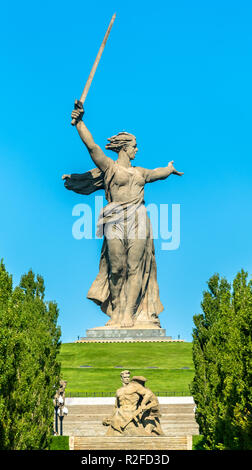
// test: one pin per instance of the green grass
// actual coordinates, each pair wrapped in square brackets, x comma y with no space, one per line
[59,443]
[103,376]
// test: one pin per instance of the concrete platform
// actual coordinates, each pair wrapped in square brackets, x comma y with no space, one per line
[130,443]
[105,334]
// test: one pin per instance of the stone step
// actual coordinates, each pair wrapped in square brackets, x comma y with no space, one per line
[130,443]
[100,430]
[110,405]
[101,409]
[69,430]
[100,415]
[87,413]
[98,419]
[102,435]
[166,424]
[86,420]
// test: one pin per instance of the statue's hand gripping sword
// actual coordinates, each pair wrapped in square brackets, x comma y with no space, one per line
[93,70]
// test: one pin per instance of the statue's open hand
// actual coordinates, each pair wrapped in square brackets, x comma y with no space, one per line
[78,111]
[173,170]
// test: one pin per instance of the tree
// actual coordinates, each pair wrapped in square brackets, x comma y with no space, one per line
[222,356]
[29,371]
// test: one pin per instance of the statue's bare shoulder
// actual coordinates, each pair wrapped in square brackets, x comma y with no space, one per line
[142,171]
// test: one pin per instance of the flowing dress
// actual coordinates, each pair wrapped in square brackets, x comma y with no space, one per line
[126,221]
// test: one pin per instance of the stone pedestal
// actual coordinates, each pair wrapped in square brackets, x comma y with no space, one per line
[106,334]
[125,333]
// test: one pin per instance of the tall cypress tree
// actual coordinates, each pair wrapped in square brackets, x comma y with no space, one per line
[238,368]
[30,373]
[222,358]
[7,355]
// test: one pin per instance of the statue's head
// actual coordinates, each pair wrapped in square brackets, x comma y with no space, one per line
[125,377]
[123,141]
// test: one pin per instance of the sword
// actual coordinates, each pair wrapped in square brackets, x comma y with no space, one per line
[93,70]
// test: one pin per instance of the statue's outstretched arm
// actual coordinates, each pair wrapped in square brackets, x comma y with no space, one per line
[96,153]
[161,173]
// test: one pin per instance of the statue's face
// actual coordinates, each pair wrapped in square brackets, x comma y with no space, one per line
[131,150]
[125,378]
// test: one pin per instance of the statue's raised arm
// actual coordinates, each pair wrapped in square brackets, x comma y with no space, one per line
[96,153]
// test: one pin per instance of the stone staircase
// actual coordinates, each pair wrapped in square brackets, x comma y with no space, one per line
[130,443]
[177,420]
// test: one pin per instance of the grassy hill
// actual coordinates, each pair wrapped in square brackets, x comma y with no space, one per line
[96,367]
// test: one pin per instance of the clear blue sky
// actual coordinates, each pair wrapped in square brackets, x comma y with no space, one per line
[177,75]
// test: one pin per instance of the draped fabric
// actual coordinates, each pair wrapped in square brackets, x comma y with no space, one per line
[113,215]
[85,183]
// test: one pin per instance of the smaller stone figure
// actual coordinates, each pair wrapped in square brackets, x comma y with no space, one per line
[136,410]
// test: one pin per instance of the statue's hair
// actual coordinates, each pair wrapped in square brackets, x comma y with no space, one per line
[120,140]
[124,372]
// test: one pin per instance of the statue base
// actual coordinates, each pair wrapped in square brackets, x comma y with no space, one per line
[106,334]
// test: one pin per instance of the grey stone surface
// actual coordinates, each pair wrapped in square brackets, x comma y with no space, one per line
[126,333]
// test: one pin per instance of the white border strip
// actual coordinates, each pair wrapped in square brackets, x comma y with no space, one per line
[111,401]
